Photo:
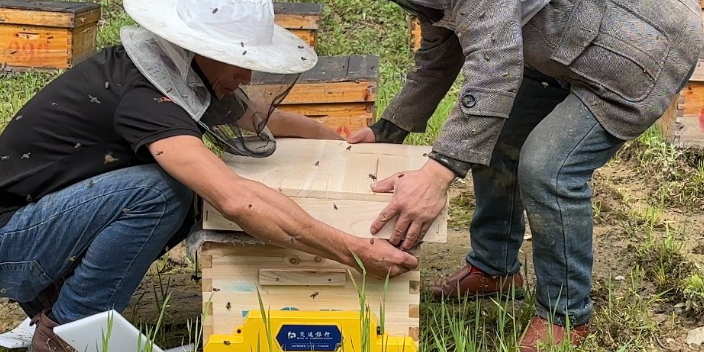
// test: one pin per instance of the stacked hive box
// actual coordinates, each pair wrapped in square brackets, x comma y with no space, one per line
[330,181]
[683,122]
[340,92]
[301,19]
[47,34]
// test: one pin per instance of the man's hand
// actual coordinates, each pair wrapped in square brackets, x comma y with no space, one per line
[419,197]
[379,257]
[365,135]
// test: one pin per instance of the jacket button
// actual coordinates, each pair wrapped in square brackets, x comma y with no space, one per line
[468,100]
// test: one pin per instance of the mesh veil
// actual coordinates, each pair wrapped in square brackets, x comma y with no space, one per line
[237,123]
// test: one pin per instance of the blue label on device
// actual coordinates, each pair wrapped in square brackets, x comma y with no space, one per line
[309,337]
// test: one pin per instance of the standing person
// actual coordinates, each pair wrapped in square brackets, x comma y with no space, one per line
[98,170]
[551,91]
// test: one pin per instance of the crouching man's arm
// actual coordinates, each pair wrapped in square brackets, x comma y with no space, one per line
[267,214]
[285,124]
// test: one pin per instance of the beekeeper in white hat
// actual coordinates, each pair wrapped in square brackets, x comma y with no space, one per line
[98,171]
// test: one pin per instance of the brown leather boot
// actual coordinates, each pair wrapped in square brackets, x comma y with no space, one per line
[44,339]
[538,333]
[474,282]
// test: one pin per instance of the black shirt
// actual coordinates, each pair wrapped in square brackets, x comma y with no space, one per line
[95,118]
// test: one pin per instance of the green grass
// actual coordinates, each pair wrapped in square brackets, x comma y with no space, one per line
[622,320]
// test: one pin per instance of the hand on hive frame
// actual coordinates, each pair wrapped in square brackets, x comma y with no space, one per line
[419,197]
[380,258]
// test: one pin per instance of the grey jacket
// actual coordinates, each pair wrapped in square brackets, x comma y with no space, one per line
[625,59]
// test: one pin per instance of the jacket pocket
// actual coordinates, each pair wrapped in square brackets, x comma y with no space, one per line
[625,56]
[22,281]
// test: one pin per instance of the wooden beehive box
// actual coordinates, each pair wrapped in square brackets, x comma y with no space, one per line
[47,34]
[683,122]
[293,280]
[340,91]
[303,19]
[330,180]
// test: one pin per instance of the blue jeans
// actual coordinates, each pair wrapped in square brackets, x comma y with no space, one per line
[543,162]
[101,235]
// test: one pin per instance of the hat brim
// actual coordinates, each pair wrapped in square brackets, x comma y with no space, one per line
[286,54]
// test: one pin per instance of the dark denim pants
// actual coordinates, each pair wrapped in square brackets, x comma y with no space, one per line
[108,230]
[543,162]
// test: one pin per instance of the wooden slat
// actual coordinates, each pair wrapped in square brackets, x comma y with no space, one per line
[302,277]
[321,93]
[297,21]
[38,47]
[296,160]
[351,216]
[350,113]
[48,19]
[42,18]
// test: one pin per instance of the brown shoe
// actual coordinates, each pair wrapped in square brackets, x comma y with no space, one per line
[474,282]
[537,333]
[44,339]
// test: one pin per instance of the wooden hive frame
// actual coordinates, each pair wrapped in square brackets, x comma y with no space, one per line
[330,180]
[340,92]
[47,35]
[303,19]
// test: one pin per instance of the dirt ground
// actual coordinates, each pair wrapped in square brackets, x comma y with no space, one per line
[618,190]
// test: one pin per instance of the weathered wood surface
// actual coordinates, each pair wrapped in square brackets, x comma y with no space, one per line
[64,14]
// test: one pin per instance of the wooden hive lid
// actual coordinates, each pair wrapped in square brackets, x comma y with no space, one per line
[329,169]
[331,181]
[334,69]
[298,8]
[51,6]
[49,13]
